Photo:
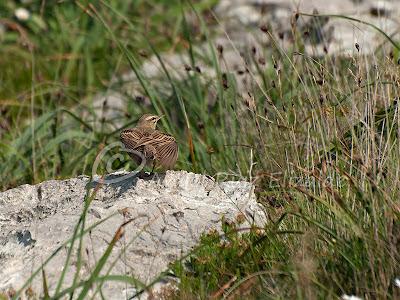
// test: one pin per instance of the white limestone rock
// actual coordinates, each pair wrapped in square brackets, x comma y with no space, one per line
[168,214]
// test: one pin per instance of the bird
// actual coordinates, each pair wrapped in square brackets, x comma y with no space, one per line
[157,148]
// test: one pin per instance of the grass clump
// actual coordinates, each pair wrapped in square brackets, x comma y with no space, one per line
[318,136]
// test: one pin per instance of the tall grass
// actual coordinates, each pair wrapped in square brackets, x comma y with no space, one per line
[317,136]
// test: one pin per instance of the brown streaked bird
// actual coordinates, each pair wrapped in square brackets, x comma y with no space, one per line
[158,148]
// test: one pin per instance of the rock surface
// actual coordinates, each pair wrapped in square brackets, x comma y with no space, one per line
[168,213]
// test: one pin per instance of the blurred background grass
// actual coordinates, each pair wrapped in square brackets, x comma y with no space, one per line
[318,136]
[55,63]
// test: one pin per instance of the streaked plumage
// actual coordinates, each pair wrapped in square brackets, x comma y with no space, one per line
[158,148]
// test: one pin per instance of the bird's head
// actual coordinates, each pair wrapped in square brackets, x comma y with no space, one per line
[148,121]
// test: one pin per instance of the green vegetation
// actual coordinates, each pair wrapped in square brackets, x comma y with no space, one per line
[319,137]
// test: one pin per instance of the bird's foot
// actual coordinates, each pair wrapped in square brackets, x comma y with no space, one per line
[146,175]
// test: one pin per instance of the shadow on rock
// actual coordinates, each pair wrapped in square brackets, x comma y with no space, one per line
[124,181]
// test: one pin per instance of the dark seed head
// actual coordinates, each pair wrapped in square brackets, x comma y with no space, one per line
[140,99]
[225,81]
[143,53]
[220,49]
[264,28]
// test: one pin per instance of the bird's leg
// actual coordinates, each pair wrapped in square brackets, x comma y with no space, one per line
[146,175]
[151,173]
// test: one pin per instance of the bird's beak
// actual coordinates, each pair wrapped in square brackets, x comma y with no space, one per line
[162,116]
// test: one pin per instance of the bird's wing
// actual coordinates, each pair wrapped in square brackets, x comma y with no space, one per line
[167,150]
[131,137]
[165,145]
